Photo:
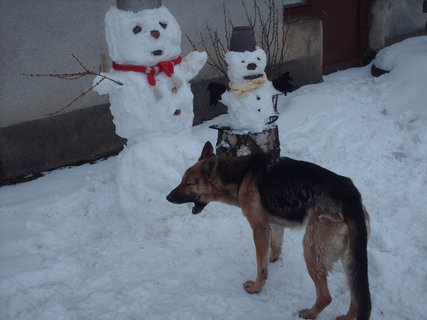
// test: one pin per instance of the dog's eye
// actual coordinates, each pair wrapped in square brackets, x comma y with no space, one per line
[164,25]
[191,182]
[137,29]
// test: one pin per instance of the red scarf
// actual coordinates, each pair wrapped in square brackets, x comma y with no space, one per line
[165,66]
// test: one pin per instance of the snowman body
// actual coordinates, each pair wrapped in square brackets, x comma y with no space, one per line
[150,99]
[250,99]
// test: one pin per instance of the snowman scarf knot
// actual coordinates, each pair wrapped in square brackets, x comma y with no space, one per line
[241,89]
[165,66]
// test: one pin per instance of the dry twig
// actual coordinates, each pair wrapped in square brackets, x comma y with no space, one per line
[267,30]
[75,76]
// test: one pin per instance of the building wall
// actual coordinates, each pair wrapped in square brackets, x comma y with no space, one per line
[394,20]
[40,36]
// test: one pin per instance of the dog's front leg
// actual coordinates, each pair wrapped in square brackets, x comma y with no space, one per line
[261,234]
[250,202]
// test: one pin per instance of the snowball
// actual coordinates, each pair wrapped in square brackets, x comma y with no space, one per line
[128,45]
[252,110]
[146,38]
[238,64]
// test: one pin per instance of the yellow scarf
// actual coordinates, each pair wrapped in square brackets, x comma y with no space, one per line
[241,89]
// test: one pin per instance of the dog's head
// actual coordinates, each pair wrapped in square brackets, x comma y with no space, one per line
[197,183]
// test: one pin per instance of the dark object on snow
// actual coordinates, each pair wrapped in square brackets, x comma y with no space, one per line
[283,83]
[242,39]
[138,5]
[376,72]
[241,143]
[216,89]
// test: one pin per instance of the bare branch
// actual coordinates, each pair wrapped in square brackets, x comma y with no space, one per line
[75,99]
[264,20]
[75,76]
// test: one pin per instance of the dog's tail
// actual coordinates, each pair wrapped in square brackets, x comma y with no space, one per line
[357,259]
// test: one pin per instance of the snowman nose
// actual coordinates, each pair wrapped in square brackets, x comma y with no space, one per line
[251,66]
[155,34]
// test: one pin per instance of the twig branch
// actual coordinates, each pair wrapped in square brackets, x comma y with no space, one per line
[271,36]
[75,76]
[75,99]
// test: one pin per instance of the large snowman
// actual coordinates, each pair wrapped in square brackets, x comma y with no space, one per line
[153,109]
[145,47]
[250,98]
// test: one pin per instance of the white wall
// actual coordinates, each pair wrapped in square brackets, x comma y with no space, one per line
[39,36]
[394,19]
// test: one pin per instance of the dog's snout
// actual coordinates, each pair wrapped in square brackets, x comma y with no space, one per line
[169,197]
[251,66]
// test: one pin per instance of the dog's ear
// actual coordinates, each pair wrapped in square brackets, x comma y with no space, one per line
[209,167]
[207,151]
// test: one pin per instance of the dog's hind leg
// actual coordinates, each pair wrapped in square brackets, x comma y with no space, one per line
[325,241]
[277,232]
[346,262]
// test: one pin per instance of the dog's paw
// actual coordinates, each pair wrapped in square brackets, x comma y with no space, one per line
[308,313]
[274,258]
[252,287]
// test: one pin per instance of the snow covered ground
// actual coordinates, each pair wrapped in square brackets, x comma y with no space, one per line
[67,251]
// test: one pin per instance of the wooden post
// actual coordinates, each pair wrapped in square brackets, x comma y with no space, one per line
[242,143]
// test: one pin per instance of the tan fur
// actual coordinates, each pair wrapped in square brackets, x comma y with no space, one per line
[325,241]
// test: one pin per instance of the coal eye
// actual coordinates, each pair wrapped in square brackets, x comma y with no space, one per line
[243,61]
[258,98]
[137,29]
[163,25]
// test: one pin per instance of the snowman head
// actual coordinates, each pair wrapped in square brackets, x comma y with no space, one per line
[145,38]
[246,65]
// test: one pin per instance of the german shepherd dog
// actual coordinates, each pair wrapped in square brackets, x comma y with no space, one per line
[274,193]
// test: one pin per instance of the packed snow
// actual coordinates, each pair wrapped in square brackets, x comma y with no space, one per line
[69,252]
[159,98]
[250,100]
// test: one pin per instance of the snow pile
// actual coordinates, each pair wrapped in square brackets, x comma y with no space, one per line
[148,104]
[401,53]
[152,106]
[67,251]
[248,110]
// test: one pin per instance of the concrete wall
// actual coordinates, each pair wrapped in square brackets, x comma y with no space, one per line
[394,20]
[40,36]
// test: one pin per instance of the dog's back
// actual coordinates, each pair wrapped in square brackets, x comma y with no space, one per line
[276,193]
[293,190]
[289,188]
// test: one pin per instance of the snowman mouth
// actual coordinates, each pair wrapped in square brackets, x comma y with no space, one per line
[157,53]
[252,77]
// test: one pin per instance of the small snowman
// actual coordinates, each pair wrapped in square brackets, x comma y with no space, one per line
[250,98]
[145,47]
